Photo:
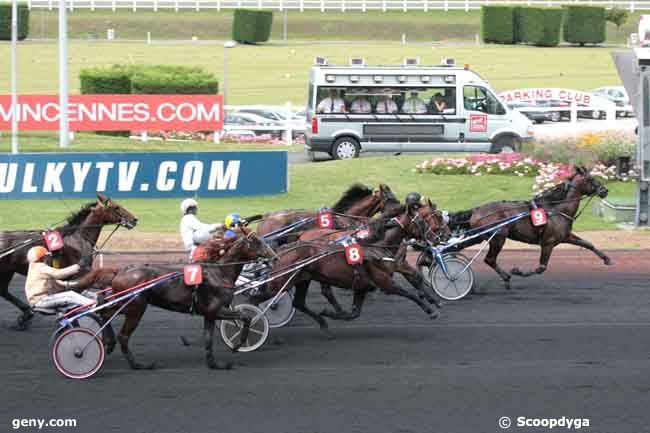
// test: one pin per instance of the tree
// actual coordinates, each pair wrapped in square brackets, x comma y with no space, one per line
[618,17]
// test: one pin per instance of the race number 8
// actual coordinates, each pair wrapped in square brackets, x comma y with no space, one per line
[353,254]
[538,217]
[53,240]
[193,275]
[325,220]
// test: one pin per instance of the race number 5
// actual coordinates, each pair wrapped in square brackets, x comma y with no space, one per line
[354,254]
[193,275]
[325,220]
[53,240]
[538,217]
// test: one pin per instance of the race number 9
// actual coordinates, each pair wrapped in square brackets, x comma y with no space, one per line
[193,275]
[538,217]
[53,240]
[354,254]
[325,220]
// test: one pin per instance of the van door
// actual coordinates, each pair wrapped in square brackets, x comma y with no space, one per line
[484,115]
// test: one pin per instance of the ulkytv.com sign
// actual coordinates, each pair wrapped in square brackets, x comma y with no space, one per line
[152,175]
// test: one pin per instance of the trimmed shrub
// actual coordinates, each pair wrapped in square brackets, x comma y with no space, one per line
[251,27]
[152,82]
[585,24]
[113,80]
[539,26]
[5,21]
[498,24]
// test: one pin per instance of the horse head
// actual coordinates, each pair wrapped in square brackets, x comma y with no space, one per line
[428,223]
[587,184]
[110,212]
[386,196]
[246,245]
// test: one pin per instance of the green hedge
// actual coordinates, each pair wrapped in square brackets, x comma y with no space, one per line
[152,82]
[585,24]
[498,24]
[5,21]
[251,27]
[538,25]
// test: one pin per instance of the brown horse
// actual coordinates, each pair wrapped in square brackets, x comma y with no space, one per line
[224,259]
[358,200]
[383,253]
[80,235]
[561,204]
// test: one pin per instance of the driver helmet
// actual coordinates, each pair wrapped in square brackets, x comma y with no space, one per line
[36,253]
[187,204]
[413,199]
[229,234]
[232,220]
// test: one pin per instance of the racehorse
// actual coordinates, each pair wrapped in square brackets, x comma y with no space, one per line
[561,204]
[80,235]
[222,261]
[381,260]
[358,200]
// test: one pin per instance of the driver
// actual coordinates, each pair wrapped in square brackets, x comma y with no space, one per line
[413,201]
[193,231]
[43,285]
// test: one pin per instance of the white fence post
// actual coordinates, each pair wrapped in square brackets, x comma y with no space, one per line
[302,5]
[155,5]
[466,5]
[197,7]
[176,5]
[632,6]
[49,4]
[446,6]
[426,6]
[383,5]
[134,5]
[342,5]
[29,4]
[288,126]
[71,5]
[322,5]
[363,5]
[92,5]
[114,7]
[404,6]
[218,5]
[281,5]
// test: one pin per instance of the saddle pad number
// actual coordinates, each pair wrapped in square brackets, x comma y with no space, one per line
[538,217]
[53,240]
[325,220]
[354,254]
[193,275]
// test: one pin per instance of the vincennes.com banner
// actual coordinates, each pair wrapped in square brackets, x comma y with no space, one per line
[153,175]
[115,112]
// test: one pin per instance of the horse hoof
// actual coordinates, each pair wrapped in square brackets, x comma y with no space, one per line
[516,271]
[185,342]
[109,348]
[216,365]
[434,314]
[23,321]
[139,366]
[607,261]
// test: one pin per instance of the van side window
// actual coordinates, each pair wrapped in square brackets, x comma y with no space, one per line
[477,98]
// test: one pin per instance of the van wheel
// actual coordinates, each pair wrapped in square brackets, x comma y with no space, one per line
[345,148]
[506,144]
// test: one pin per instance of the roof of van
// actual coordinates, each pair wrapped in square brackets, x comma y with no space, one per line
[462,74]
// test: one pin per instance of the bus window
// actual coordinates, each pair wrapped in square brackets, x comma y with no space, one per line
[442,100]
[477,98]
[330,100]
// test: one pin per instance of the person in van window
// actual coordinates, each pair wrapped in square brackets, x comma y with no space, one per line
[386,105]
[332,104]
[360,105]
[438,104]
[414,105]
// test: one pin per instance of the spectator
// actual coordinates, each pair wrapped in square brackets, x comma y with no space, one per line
[438,104]
[386,105]
[332,104]
[414,105]
[360,105]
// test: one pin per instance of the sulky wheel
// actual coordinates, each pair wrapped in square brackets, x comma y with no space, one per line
[280,312]
[258,332]
[459,281]
[77,353]
[90,322]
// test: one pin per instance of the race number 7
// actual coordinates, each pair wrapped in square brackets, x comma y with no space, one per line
[538,217]
[325,220]
[53,240]
[193,275]
[354,254]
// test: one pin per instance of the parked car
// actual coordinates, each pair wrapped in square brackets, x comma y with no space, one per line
[235,123]
[618,96]
[277,114]
[528,110]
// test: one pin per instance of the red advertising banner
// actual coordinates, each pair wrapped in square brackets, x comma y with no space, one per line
[116,112]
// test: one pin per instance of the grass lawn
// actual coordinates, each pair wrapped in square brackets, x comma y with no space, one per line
[280,72]
[435,25]
[89,142]
[312,185]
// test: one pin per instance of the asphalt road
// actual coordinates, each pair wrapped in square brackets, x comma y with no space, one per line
[574,342]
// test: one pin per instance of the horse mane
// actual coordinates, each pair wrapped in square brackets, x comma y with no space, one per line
[215,246]
[377,226]
[76,218]
[555,193]
[352,195]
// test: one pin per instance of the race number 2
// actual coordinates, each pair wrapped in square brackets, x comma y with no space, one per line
[53,240]
[538,217]
[193,275]
[354,254]
[325,220]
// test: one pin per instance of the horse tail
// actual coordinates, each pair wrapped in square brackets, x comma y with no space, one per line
[460,220]
[97,278]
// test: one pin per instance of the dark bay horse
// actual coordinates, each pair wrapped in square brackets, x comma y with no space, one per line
[383,253]
[80,235]
[358,200]
[224,259]
[561,204]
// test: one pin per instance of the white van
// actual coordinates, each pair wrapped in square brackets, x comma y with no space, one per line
[408,109]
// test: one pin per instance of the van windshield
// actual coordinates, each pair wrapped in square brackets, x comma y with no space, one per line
[356,100]
[476,98]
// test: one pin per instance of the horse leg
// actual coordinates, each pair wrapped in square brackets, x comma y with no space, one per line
[496,244]
[133,315]
[385,282]
[357,305]
[23,321]
[299,301]
[326,291]
[208,334]
[544,257]
[574,239]
[417,280]
[108,338]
